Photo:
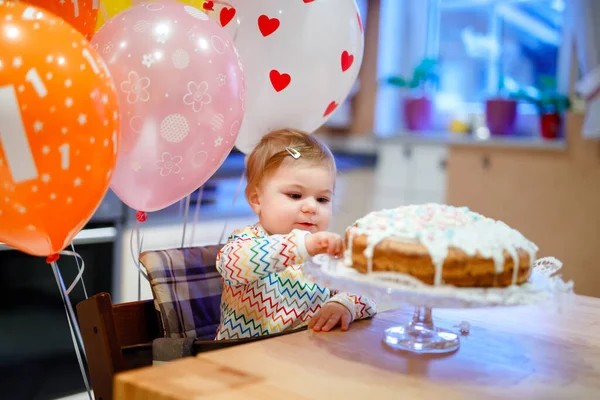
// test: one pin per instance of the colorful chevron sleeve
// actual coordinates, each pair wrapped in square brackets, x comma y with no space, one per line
[248,256]
[360,306]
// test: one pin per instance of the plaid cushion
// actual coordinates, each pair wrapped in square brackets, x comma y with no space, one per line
[187,290]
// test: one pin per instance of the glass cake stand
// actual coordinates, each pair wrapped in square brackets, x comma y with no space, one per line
[420,335]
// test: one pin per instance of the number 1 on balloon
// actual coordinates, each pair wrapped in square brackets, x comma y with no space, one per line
[13,138]
[76,5]
[38,85]
[64,156]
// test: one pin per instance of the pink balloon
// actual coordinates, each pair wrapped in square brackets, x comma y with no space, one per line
[181,93]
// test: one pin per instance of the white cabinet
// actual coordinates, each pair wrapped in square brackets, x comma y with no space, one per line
[393,165]
[428,168]
[353,198]
[410,173]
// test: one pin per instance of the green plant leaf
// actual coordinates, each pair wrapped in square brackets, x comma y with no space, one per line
[397,81]
[547,82]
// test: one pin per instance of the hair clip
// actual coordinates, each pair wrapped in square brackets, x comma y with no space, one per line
[293,152]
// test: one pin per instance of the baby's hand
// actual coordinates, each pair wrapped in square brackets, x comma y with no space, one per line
[329,316]
[324,242]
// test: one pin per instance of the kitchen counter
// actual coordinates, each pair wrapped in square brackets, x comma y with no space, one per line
[525,142]
[370,144]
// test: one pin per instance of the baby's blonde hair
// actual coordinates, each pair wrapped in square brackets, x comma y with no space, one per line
[270,153]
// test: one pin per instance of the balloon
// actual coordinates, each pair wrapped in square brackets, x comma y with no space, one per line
[82,14]
[301,58]
[110,8]
[180,86]
[59,130]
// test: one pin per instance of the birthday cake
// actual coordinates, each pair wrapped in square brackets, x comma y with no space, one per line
[440,244]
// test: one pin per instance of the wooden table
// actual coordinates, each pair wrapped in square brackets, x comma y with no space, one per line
[530,352]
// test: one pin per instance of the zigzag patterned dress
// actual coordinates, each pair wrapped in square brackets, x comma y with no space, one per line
[265,291]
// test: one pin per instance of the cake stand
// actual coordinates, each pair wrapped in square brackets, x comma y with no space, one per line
[421,335]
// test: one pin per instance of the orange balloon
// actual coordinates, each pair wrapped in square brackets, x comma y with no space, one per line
[82,14]
[59,130]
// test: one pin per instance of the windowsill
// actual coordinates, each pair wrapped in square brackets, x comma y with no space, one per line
[471,108]
[449,138]
[527,122]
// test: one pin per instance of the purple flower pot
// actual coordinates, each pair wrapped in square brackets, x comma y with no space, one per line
[417,113]
[501,116]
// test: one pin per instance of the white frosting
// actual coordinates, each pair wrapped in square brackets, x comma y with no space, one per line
[439,227]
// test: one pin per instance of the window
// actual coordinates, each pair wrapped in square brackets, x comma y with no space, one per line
[490,47]
[485,48]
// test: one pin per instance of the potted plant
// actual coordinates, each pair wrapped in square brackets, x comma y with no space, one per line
[549,103]
[501,112]
[417,107]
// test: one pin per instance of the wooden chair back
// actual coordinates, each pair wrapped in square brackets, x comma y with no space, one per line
[116,338]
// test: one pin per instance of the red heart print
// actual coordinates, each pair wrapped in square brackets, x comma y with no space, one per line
[267,25]
[226,15]
[209,5]
[347,60]
[278,80]
[360,25]
[332,106]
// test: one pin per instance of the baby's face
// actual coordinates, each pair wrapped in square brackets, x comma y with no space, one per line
[296,196]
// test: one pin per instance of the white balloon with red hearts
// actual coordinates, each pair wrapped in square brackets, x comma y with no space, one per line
[300,58]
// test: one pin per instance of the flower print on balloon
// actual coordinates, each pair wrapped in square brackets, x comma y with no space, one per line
[136,88]
[169,164]
[197,95]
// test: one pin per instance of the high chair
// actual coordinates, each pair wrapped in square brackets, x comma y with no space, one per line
[120,337]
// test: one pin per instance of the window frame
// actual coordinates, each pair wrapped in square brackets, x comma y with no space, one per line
[429,34]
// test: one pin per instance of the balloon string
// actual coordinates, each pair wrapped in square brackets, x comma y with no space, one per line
[140,242]
[235,196]
[185,218]
[196,213]
[79,276]
[135,231]
[135,255]
[73,325]
[79,268]
[181,207]
[65,294]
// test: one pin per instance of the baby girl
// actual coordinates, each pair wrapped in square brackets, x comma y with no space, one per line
[290,184]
